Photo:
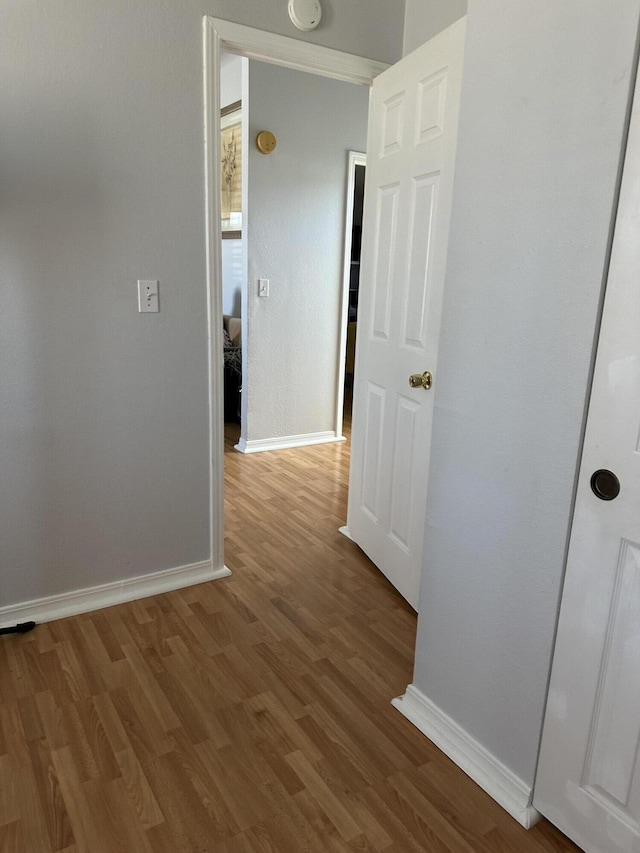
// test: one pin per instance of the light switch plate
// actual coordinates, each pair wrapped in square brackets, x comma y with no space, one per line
[148,296]
[263,287]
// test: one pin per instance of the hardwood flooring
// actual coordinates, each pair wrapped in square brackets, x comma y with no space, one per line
[247,714]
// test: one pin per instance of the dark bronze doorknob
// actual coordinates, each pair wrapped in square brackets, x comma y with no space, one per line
[605,485]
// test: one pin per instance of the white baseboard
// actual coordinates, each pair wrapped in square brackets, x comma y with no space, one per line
[104,595]
[476,761]
[345,532]
[287,441]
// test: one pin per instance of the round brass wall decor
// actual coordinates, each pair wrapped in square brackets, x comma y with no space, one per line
[266,141]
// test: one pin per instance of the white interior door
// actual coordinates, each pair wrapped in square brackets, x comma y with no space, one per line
[588,780]
[411,141]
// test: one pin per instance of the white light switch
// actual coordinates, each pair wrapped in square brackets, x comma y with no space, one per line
[148,297]
[263,287]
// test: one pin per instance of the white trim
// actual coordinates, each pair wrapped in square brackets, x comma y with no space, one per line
[246,230]
[356,158]
[211,65]
[482,766]
[221,35]
[345,532]
[107,594]
[287,441]
[294,53]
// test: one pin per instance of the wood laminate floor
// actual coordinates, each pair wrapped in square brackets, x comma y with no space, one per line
[247,714]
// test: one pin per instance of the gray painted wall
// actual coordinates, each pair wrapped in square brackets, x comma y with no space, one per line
[104,451]
[545,90]
[424,19]
[296,214]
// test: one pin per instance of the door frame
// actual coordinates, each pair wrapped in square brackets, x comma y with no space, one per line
[356,158]
[218,36]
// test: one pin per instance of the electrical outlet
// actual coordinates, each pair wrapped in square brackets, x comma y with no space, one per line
[148,297]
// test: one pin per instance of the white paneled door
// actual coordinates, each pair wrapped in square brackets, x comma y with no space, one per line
[411,144]
[588,780]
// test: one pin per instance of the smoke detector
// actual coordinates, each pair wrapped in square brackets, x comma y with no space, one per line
[305,14]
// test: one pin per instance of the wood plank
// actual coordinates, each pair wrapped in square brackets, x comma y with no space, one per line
[321,793]
[34,827]
[47,790]
[137,790]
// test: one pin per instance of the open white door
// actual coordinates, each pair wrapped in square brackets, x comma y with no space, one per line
[588,780]
[411,144]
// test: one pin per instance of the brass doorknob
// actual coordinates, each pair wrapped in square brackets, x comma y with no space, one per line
[421,380]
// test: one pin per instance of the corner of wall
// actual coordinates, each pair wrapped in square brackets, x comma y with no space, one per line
[507,789]
[424,19]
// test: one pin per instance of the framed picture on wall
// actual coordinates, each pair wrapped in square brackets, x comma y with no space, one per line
[231,170]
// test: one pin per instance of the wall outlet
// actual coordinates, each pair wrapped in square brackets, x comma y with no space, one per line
[263,287]
[148,297]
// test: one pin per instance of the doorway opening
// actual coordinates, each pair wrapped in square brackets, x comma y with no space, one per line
[218,36]
[352,255]
[283,275]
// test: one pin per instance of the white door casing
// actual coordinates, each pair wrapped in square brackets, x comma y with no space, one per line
[411,142]
[588,780]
